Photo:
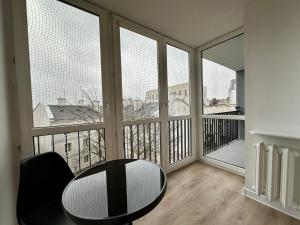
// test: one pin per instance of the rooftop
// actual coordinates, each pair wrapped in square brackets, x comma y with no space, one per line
[73,112]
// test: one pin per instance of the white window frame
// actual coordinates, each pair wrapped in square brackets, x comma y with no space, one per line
[112,94]
[85,142]
[28,131]
[217,163]
[162,89]
[86,157]
[192,96]
[68,146]
[132,26]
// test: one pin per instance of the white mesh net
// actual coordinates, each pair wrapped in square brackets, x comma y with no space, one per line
[65,63]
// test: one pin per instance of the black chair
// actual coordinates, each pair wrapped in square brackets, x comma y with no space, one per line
[42,181]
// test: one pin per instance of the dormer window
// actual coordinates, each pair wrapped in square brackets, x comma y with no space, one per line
[68,147]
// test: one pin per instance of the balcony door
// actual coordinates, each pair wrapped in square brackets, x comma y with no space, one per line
[180,115]
[223,108]
[138,98]
[154,123]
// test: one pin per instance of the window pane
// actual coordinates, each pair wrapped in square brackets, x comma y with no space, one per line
[65,64]
[223,77]
[219,88]
[178,82]
[139,76]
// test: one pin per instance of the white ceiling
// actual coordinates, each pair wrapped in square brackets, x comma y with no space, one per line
[193,22]
[229,53]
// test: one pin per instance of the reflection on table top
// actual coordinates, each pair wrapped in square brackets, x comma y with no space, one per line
[115,188]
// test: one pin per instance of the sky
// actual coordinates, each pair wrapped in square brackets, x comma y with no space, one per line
[216,79]
[65,58]
[140,64]
[64,48]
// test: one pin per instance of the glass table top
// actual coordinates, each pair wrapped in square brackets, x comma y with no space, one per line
[116,188]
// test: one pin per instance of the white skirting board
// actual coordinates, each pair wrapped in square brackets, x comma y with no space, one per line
[275,204]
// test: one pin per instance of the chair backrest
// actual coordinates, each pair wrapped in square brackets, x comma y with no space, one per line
[42,179]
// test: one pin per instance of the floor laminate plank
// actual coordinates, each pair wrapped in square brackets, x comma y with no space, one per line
[200,194]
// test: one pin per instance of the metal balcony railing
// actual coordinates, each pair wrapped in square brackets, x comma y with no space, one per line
[143,140]
[219,132]
[80,149]
[180,139]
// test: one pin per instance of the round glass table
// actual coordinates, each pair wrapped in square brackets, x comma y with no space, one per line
[117,192]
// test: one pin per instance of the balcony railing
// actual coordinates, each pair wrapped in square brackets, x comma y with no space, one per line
[179,139]
[219,132]
[80,149]
[142,140]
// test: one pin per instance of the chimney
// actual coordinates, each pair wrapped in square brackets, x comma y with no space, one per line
[61,101]
[81,102]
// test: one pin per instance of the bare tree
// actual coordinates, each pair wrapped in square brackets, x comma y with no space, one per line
[92,141]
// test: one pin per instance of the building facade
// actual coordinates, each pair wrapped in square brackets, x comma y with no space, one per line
[79,149]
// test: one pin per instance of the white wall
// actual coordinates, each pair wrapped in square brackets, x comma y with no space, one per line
[9,128]
[272,65]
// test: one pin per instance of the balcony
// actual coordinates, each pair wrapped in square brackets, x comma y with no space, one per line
[224,139]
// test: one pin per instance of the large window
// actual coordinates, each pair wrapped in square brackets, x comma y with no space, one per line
[223,120]
[66,82]
[65,64]
[139,68]
[71,62]
[178,81]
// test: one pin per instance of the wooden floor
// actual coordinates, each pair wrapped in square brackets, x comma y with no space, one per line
[200,194]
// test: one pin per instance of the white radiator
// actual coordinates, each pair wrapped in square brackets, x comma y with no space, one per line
[275,174]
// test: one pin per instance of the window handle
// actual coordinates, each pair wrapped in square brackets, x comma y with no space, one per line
[107,107]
